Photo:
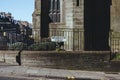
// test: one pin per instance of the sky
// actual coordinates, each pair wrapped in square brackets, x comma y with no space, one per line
[20,9]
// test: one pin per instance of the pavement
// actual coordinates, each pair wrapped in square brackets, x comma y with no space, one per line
[38,73]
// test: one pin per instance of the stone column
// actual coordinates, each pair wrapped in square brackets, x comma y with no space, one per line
[78,24]
[69,25]
[37,21]
[74,17]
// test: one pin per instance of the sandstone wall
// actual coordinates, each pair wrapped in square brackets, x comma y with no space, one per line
[86,60]
[67,60]
[37,21]
[115,15]
[8,57]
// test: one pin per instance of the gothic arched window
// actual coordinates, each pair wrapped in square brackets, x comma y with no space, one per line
[55,10]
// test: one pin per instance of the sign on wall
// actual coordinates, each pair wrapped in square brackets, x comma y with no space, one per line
[58,38]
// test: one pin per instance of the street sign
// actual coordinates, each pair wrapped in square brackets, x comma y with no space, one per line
[58,38]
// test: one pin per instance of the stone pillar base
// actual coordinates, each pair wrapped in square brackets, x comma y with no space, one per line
[36,35]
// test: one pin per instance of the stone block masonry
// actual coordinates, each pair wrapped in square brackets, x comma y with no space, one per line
[84,60]
[2,59]
[67,60]
[9,57]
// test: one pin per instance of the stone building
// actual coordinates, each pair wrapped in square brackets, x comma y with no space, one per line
[84,23]
[13,31]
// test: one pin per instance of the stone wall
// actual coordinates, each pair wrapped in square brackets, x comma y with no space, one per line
[2,56]
[8,57]
[66,60]
[115,15]
[115,66]
[86,60]
[78,14]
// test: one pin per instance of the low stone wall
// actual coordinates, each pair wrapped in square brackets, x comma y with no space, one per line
[2,56]
[8,57]
[115,66]
[86,60]
[95,60]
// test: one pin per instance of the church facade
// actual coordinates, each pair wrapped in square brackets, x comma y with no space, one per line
[84,23]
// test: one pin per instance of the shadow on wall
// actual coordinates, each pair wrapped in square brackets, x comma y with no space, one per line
[45,20]
[97,24]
